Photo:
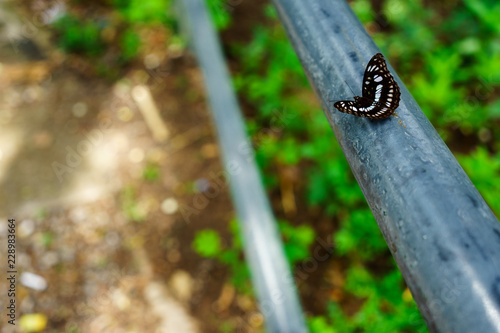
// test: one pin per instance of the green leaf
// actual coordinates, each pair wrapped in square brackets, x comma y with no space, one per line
[207,243]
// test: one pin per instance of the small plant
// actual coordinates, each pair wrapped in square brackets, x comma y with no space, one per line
[360,234]
[208,243]
[79,36]
[115,33]
[220,14]
[130,45]
[484,171]
[144,11]
[130,206]
[297,241]
[151,172]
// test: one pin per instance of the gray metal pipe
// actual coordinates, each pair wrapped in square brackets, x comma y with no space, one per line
[271,275]
[443,235]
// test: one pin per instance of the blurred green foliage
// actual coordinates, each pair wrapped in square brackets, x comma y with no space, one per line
[130,206]
[297,241]
[143,11]
[151,172]
[220,11]
[484,170]
[354,229]
[79,35]
[384,309]
[447,55]
[47,239]
[93,36]
[130,44]
[208,243]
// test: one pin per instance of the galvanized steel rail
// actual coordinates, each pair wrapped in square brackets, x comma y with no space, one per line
[271,275]
[443,235]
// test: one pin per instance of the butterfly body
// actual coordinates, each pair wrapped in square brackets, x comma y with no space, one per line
[381,93]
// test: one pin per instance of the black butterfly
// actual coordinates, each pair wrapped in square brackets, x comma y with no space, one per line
[380,92]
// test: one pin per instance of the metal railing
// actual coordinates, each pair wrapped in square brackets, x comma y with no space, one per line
[444,237]
[271,275]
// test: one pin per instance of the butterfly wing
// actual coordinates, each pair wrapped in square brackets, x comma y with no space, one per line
[361,107]
[380,87]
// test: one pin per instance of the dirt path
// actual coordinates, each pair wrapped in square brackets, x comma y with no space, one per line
[73,150]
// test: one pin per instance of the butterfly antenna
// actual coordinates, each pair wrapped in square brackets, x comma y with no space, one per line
[349,89]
